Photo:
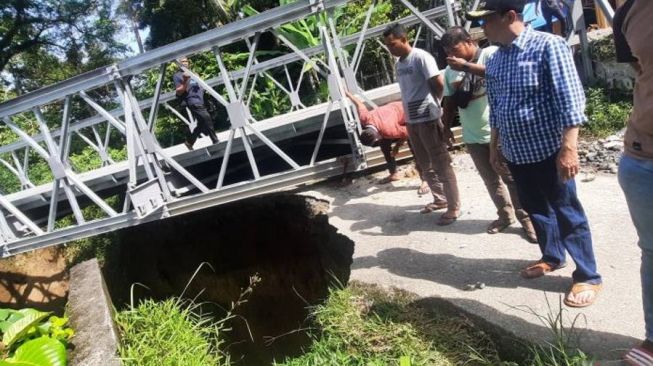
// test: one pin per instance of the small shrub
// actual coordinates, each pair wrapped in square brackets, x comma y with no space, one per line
[607,113]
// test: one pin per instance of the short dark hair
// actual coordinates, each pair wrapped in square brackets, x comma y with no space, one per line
[396,30]
[370,136]
[454,36]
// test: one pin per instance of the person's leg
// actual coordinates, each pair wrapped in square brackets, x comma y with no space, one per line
[520,212]
[635,177]
[424,185]
[391,163]
[204,122]
[480,154]
[440,161]
[528,182]
[422,158]
[574,231]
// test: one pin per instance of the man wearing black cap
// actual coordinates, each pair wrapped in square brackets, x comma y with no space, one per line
[537,104]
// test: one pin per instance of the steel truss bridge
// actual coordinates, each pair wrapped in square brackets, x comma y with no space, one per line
[305,143]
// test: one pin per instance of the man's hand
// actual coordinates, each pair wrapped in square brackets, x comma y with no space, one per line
[568,165]
[456,63]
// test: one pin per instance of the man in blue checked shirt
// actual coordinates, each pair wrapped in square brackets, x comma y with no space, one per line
[537,104]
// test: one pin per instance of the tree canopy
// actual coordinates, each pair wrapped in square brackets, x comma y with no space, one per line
[44,41]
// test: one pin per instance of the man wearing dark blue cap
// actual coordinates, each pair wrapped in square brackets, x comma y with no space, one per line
[537,104]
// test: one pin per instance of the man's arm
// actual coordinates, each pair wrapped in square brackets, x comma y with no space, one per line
[568,98]
[568,165]
[363,113]
[181,84]
[436,85]
[448,116]
[460,64]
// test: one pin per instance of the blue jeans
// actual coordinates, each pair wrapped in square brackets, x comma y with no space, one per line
[636,179]
[557,216]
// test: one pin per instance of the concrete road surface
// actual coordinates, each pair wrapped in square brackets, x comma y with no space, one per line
[396,246]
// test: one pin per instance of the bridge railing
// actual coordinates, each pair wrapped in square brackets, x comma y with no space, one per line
[136,177]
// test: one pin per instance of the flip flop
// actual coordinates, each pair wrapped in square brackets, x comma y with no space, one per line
[433,207]
[498,226]
[579,287]
[539,269]
[446,220]
[638,356]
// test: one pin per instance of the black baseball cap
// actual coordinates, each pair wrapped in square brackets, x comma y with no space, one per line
[493,6]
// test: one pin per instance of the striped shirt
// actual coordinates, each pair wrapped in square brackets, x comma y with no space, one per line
[534,93]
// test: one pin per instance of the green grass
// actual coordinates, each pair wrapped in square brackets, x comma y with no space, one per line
[168,333]
[359,325]
[363,325]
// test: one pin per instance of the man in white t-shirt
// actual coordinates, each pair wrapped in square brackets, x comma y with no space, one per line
[464,90]
[421,85]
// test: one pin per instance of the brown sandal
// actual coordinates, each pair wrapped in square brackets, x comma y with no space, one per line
[579,287]
[498,226]
[539,269]
[433,207]
[446,220]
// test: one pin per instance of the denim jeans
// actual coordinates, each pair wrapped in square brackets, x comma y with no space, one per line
[636,179]
[557,215]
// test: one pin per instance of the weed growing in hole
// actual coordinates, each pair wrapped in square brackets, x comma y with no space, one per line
[563,349]
[175,331]
[364,325]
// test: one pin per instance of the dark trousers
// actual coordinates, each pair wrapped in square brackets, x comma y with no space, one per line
[204,124]
[555,8]
[391,163]
[557,215]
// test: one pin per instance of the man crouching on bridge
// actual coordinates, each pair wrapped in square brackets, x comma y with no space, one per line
[382,127]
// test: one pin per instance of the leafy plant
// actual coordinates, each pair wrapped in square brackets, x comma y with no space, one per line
[606,113]
[31,337]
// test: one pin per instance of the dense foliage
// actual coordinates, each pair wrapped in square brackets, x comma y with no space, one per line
[31,337]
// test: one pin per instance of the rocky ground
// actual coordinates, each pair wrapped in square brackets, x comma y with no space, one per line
[601,155]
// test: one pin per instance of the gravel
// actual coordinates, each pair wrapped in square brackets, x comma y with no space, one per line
[601,155]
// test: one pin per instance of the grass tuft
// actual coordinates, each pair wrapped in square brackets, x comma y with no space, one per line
[170,332]
[364,325]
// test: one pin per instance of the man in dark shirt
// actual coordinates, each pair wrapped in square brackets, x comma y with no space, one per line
[191,96]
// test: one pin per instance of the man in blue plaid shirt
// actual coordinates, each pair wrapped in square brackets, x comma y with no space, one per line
[537,104]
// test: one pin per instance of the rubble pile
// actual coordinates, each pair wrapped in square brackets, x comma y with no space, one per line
[601,155]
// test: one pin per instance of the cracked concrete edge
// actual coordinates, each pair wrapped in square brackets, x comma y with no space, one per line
[91,317]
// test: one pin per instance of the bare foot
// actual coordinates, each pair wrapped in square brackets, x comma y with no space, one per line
[390,178]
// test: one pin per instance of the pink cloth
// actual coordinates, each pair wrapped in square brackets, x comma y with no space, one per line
[388,119]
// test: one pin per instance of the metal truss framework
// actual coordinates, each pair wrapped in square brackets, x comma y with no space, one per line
[29,218]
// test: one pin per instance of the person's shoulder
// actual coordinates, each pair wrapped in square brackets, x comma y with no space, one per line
[547,38]
[422,54]
[487,51]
